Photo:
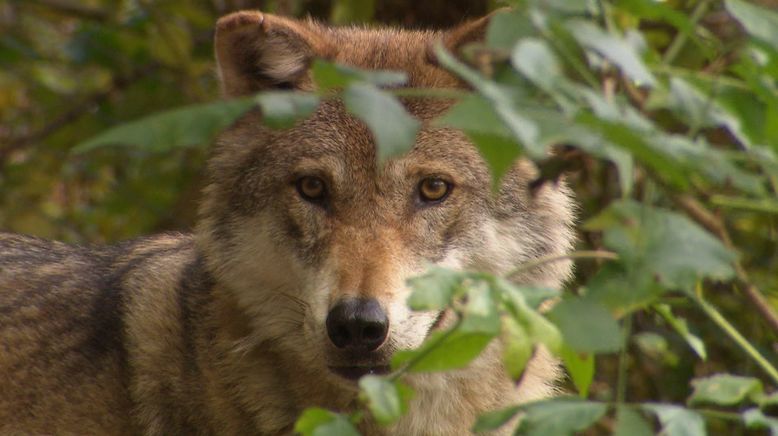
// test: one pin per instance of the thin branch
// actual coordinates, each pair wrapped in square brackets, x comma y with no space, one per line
[735,335]
[594,254]
[680,39]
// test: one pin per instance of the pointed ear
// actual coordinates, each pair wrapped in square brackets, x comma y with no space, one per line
[257,51]
[470,31]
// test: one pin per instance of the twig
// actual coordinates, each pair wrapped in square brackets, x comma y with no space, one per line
[594,254]
[680,39]
[713,224]
[621,382]
[75,112]
[735,335]
[72,8]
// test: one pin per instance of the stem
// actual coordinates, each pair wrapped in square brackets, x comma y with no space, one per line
[681,37]
[587,254]
[447,93]
[621,382]
[732,332]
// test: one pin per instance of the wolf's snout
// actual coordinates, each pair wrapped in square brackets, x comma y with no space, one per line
[358,324]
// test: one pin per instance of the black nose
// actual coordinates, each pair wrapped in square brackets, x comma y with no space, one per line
[358,324]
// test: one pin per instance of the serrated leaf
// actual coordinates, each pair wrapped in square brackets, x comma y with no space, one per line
[724,390]
[319,422]
[559,417]
[384,398]
[444,351]
[586,326]
[631,423]
[494,420]
[181,127]
[677,420]
[394,130]
[612,47]
[281,110]
[656,245]
[580,366]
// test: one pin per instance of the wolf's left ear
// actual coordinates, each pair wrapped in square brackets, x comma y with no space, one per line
[257,51]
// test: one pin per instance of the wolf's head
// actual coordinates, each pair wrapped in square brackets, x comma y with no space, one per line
[316,240]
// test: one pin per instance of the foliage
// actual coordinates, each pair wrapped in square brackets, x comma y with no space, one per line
[672,120]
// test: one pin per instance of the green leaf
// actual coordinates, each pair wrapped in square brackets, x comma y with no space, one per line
[631,423]
[182,127]
[494,420]
[517,347]
[657,246]
[476,116]
[434,290]
[724,390]
[538,328]
[523,129]
[328,75]
[394,130]
[443,351]
[281,109]
[559,417]
[479,314]
[535,59]
[319,422]
[676,420]
[386,400]
[612,47]
[533,296]
[756,419]
[760,22]
[654,11]
[580,366]
[508,26]
[586,326]
[681,327]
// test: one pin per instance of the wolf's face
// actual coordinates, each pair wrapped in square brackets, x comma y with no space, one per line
[316,240]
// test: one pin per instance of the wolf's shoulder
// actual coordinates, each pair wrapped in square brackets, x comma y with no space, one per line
[36,271]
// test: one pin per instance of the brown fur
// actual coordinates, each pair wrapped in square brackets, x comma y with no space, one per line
[222,332]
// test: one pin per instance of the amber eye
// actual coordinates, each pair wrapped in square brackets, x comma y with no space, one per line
[433,189]
[311,188]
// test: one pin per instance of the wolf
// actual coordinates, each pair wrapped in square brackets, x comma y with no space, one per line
[294,283]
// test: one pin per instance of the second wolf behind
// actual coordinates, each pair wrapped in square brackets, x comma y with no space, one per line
[294,282]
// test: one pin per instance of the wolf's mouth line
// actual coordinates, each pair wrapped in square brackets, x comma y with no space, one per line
[356,372]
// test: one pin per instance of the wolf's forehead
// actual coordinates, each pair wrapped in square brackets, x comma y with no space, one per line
[408,51]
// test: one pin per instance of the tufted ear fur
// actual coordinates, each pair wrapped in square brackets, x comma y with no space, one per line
[467,32]
[257,51]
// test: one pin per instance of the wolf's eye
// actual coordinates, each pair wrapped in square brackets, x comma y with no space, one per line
[434,189]
[311,188]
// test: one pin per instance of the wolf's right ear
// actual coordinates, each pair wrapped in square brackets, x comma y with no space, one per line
[257,51]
